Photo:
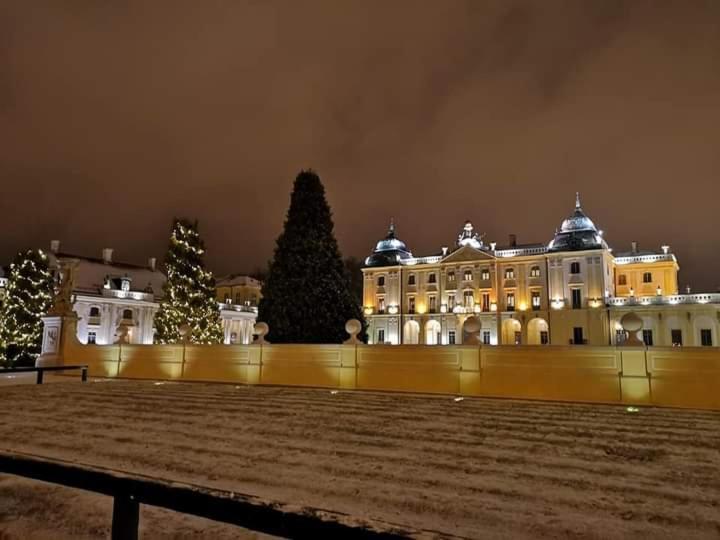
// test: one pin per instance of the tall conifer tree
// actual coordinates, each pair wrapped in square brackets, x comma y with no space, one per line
[307,296]
[29,296]
[189,290]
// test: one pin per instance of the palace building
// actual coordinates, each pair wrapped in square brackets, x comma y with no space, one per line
[572,290]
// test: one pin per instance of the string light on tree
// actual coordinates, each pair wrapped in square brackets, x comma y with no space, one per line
[189,291]
[28,297]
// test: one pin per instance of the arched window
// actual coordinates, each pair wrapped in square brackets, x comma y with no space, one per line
[94,311]
[510,273]
[127,314]
[535,271]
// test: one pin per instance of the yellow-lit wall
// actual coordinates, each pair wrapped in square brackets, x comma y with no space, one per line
[663,275]
[682,377]
[239,294]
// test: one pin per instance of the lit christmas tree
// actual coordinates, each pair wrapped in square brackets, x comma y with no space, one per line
[189,291]
[29,296]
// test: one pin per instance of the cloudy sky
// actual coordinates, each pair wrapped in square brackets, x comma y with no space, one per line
[116,116]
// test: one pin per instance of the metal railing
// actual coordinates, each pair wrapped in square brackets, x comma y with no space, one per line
[41,371]
[130,491]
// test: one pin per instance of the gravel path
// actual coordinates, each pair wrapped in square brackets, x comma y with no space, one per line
[475,468]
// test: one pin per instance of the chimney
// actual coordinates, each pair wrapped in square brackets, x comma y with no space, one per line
[634,247]
[152,263]
[55,246]
[513,240]
[107,255]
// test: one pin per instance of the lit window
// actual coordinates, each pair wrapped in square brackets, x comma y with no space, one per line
[486,301]
[451,301]
[381,304]
[431,278]
[575,268]
[510,301]
[411,279]
[485,275]
[535,271]
[647,277]
[510,273]
[535,296]
[622,279]
[451,276]
[92,338]
[468,275]
[469,299]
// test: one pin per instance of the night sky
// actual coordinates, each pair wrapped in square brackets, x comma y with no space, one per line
[116,116]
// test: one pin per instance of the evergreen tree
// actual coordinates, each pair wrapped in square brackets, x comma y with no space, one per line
[28,297]
[306,297]
[189,290]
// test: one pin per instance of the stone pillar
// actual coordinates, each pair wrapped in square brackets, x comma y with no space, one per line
[57,330]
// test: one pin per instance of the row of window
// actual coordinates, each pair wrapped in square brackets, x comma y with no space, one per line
[647,278]
[127,314]
[676,337]
[468,275]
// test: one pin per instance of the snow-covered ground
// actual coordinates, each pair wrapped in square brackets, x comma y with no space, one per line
[476,467]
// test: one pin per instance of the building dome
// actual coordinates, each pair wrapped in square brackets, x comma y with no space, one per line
[389,251]
[577,232]
[468,237]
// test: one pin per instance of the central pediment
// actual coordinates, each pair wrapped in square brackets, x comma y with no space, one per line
[468,253]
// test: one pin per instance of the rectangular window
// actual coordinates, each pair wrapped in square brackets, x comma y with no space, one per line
[381,336]
[381,304]
[92,338]
[575,268]
[411,304]
[451,302]
[706,337]
[451,337]
[535,297]
[485,275]
[381,281]
[676,337]
[622,279]
[518,338]
[535,271]
[620,337]
[451,276]
[469,299]
[510,301]
[510,273]
[544,337]
[576,299]
[411,279]
[431,278]
[648,337]
[468,275]
[486,301]
[647,277]
[486,337]
[433,304]
[578,338]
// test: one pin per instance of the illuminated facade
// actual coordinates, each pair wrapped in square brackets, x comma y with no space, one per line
[573,290]
[238,297]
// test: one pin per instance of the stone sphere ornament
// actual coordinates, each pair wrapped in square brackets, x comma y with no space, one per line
[353,327]
[632,324]
[261,330]
[472,325]
[185,330]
